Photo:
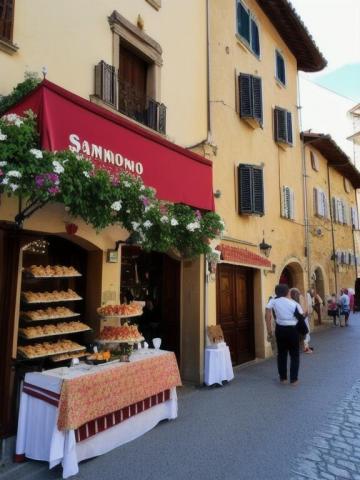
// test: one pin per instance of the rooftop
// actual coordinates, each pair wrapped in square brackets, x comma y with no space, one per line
[295,34]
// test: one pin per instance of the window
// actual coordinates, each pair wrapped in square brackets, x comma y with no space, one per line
[250,190]
[321,205]
[287,204]
[283,126]
[247,28]
[354,218]
[339,209]
[347,185]
[314,161]
[132,84]
[250,96]
[6,19]
[280,68]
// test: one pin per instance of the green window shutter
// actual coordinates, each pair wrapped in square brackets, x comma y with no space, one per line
[280,125]
[243,21]
[245,194]
[245,95]
[258,190]
[289,128]
[280,68]
[255,40]
[257,99]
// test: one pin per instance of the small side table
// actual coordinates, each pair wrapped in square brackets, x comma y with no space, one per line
[218,365]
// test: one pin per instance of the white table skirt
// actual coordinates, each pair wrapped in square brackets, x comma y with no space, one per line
[218,365]
[38,437]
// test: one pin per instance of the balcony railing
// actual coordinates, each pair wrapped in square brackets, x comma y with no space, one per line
[126,99]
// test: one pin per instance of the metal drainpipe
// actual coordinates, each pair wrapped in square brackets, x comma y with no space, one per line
[305,187]
[357,213]
[332,229]
[208,69]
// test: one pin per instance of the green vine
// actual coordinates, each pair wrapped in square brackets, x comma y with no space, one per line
[98,197]
[31,81]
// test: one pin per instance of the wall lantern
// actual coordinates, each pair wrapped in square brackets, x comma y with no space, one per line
[265,248]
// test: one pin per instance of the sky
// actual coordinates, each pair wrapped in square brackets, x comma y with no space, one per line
[335,27]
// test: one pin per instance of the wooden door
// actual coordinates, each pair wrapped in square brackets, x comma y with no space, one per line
[133,70]
[170,305]
[235,311]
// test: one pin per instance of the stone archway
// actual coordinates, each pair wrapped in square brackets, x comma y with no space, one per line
[293,275]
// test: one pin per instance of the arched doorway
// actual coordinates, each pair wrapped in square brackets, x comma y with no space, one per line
[319,283]
[293,276]
[286,277]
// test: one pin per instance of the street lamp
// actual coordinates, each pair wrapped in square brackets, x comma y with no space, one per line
[265,248]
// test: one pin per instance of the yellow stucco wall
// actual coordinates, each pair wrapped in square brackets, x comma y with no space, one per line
[71,37]
[235,142]
[321,244]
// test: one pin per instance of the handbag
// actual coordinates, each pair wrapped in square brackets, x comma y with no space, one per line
[301,326]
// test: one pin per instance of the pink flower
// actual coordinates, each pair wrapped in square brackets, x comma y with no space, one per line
[54,190]
[1,173]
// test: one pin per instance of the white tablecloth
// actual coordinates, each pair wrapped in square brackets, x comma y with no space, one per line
[39,438]
[218,365]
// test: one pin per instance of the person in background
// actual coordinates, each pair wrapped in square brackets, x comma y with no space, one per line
[318,303]
[310,303]
[351,293]
[344,306]
[333,309]
[296,295]
[287,335]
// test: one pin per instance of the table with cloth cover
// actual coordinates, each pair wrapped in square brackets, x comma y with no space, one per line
[70,414]
[218,365]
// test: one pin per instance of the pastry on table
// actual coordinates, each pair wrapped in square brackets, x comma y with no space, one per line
[52,271]
[123,333]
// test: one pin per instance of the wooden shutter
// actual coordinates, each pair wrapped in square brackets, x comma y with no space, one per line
[280,125]
[257,99]
[245,94]
[314,161]
[280,68]
[316,201]
[292,204]
[106,83]
[289,128]
[354,218]
[245,190]
[6,19]
[285,202]
[344,212]
[258,190]
[255,40]
[243,19]
[326,205]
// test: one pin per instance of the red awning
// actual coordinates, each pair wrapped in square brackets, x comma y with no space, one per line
[242,256]
[68,121]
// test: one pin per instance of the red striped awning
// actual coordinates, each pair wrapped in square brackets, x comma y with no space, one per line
[242,256]
[67,121]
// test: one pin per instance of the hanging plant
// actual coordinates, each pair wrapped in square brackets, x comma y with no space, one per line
[98,197]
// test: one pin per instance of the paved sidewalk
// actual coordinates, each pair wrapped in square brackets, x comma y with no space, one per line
[251,429]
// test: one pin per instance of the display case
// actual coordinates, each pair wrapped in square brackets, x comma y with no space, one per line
[50,306]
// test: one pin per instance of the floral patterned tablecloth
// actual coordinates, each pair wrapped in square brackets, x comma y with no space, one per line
[95,394]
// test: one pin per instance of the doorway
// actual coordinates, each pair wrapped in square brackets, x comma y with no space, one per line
[153,278]
[235,310]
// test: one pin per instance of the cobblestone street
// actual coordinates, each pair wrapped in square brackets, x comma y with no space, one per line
[334,451]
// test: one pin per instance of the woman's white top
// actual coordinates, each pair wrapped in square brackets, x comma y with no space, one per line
[284,309]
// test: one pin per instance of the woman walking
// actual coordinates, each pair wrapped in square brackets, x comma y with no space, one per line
[286,333]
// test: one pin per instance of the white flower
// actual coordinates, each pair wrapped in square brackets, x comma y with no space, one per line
[193,226]
[3,163]
[13,186]
[86,174]
[117,206]
[147,224]
[164,219]
[126,183]
[127,211]
[58,168]
[5,181]
[2,136]
[146,209]
[14,173]
[135,225]
[36,153]
[13,118]
[174,222]
[142,188]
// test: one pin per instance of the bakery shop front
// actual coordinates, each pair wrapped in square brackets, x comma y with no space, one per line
[58,275]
